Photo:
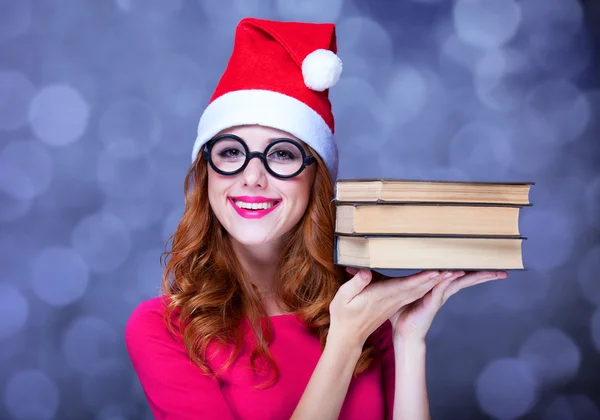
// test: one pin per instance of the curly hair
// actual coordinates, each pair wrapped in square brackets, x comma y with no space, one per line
[208,292]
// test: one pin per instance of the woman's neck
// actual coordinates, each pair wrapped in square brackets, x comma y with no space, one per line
[259,263]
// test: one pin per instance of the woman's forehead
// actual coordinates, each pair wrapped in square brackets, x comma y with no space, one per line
[259,136]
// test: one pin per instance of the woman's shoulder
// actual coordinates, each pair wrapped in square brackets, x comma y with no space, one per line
[149,310]
[147,320]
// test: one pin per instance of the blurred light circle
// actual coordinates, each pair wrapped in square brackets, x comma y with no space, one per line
[12,208]
[448,173]
[150,8]
[137,214]
[486,23]
[506,389]
[363,130]
[149,273]
[126,177]
[31,395]
[310,10]
[497,77]
[14,182]
[14,311]
[225,14]
[592,203]
[563,17]
[176,84]
[35,173]
[129,128]
[552,355]
[555,37]
[588,275]
[562,105]
[474,301]
[115,412]
[539,147]
[558,54]
[367,39]
[15,18]
[572,407]
[89,343]
[521,290]
[351,92]
[108,384]
[124,5]
[595,327]
[457,52]
[406,95]
[549,238]
[354,66]
[103,240]
[60,276]
[58,115]
[16,93]
[171,222]
[481,148]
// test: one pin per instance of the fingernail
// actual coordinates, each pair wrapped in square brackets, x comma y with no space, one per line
[434,275]
[447,275]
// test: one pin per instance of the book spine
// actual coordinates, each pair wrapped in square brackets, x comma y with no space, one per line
[427,203]
[335,249]
[424,235]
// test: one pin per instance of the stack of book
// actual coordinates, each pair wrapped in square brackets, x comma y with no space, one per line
[437,225]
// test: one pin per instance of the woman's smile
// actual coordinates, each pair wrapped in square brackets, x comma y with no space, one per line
[253,207]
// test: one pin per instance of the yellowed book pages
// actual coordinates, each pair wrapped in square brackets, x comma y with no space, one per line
[393,190]
[429,253]
[427,219]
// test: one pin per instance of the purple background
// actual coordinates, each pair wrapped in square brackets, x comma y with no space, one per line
[99,103]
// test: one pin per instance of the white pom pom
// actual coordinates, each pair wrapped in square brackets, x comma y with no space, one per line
[321,69]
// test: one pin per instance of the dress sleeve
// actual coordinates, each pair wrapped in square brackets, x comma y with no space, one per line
[175,387]
[388,366]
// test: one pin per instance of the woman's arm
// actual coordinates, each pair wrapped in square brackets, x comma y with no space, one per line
[356,312]
[409,328]
[326,390]
[175,387]
[410,395]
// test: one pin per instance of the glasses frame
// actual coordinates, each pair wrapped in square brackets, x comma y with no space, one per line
[306,159]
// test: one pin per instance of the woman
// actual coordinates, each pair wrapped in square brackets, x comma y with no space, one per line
[256,321]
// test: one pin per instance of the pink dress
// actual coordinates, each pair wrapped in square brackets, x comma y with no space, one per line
[177,389]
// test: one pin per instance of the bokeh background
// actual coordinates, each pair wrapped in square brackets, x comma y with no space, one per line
[99,103]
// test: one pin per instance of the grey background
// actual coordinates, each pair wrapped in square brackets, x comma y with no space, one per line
[99,103]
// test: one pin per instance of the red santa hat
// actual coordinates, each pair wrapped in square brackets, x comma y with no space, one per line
[279,76]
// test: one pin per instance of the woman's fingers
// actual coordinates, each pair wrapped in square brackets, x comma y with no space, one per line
[440,290]
[355,285]
[473,278]
[405,290]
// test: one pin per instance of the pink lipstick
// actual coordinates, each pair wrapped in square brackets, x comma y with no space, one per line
[253,213]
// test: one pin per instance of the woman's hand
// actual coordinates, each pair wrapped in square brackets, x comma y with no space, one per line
[360,307]
[411,322]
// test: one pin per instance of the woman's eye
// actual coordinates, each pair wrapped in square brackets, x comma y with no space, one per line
[230,153]
[283,155]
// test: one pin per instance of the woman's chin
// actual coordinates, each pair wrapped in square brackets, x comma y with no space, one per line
[252,238]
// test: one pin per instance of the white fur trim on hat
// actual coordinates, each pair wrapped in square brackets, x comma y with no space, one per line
[270,109]
[321,69]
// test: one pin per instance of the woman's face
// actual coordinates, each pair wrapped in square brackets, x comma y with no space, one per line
[286,199]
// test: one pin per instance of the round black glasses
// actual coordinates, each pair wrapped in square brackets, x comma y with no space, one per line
[283,158]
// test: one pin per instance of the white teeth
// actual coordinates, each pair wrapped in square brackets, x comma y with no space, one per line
[254,206]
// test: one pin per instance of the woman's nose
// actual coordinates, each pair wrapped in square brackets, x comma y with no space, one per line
[255,173]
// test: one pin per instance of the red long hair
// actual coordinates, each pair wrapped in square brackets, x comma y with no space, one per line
[209,293]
